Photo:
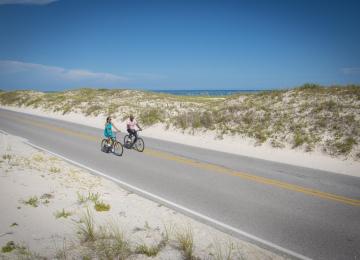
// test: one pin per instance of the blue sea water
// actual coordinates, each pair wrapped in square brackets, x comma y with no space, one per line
[210,92]
[216,92]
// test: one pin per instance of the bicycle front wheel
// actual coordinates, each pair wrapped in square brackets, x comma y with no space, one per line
[103,145]
[139,146]
[118,149]
[127,141]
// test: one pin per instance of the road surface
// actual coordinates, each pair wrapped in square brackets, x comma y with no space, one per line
[313,213]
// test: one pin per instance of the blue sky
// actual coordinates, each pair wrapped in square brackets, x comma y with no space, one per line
[189,44]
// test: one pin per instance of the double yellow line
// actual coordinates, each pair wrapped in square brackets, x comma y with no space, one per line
[201,165]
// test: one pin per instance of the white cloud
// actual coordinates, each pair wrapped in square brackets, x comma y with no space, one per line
[351,71]
[26,2]
[58,73]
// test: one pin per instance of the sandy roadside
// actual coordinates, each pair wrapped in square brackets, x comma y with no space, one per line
[38,190]
[209,140]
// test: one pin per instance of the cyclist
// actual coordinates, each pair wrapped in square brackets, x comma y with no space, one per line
[130,126]
[108,133]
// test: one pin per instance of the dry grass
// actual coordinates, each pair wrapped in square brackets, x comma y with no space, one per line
[307,117]
[62,214]
[185,239]
[86,228]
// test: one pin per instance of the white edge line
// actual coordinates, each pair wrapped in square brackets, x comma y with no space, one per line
[174,205]
[182,208]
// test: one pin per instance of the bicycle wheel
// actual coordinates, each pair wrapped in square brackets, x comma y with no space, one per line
[139,146]
[127,141]
[118,149]
[103,146]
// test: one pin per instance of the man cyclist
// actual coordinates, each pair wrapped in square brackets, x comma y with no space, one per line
[131,123]
[108,133]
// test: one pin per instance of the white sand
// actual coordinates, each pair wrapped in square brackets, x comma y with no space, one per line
[230,144]
[27,172]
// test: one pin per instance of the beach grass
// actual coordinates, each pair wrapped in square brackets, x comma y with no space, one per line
[307,117]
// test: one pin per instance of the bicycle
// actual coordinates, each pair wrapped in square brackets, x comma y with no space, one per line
[129,142]
[116,147]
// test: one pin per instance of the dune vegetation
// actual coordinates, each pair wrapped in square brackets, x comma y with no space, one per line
[308,117]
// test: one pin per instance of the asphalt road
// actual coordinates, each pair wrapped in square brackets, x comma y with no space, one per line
[310,212]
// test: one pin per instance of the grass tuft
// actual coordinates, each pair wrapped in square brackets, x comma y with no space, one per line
[32,201]
[62,214]
[101,206]
[86,229]
[10,246]
[224,250]
[185,241]
[7,157]
[54,170]
[151,116]
[149,251]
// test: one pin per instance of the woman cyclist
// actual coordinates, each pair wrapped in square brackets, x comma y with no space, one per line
[108,133]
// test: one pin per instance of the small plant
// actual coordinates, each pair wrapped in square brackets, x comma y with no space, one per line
[299,139]
[121,245]
[94,197]
[32,201]
[101,206]
[38,158]
[86,228]
[345,146]
[14,224]
[95,109]
[55,170]
[81,198]
[185,241]
[168,232]
[10,246]
[46,196]
[62,214]
[111,243]
[7,157]
[150,251]
[151,116]
[224,250]
[25,253]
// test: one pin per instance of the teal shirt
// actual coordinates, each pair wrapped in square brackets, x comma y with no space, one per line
[108,130]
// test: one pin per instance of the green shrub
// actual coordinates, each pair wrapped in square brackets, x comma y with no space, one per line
[150,251]
[32,201]
[310,86]
[151,116]
[10,246]
[101,206]
[94,109]
[346,145]
[181,121]
[299,139]
[207,120]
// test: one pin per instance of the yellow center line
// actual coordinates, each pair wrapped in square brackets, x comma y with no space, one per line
[202,165]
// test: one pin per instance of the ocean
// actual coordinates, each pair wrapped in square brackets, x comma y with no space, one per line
[215,92]
[209,92]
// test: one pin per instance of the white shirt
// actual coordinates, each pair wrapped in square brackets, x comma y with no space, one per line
[131,124]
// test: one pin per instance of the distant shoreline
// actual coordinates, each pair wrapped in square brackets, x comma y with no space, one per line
[206,92]
[194,92]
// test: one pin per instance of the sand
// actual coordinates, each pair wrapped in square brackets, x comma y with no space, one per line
[41,231]
[209,140]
